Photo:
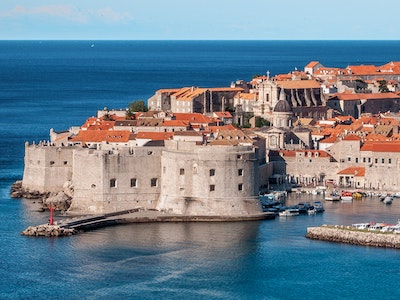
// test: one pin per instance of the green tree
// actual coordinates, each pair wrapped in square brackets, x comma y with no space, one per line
[383,86]
[260,122]
[135,106]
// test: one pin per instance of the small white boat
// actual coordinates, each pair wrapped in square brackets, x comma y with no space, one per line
[334,196]
[289,212]
[388,200]
[312,211]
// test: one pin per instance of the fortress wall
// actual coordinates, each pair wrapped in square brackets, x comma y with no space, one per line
[47,168]
[105,182]
[201,191]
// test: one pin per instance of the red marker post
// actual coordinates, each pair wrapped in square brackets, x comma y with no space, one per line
[51,220]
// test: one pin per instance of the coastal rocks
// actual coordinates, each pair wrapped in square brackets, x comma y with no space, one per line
[343,234]
[59,201]
[17,191]
[48,231]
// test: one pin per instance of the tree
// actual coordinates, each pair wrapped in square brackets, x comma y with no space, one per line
[135,106]
[383,87]
[260,122]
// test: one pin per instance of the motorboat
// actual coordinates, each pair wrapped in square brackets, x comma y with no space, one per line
[318,206]
[289,212]
[388,200]
[346,196]
[334,196]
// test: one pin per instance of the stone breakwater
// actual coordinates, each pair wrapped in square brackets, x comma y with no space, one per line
[48,231]
[343,234]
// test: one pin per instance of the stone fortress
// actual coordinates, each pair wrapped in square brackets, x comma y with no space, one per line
[182,177]
[185,157]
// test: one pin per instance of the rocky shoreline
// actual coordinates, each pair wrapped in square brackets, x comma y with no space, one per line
[60,201]
[343,234]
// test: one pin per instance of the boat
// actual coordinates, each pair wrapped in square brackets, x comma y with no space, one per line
[318,206]
[334,196]
[312,211]
[346,196]
[388,200]
[289,212]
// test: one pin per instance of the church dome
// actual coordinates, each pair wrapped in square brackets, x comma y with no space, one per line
[282,106]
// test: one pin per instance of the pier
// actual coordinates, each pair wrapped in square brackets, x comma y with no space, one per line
[348,235]
[138,215]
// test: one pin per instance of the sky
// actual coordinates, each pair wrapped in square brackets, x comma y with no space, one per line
[199,20]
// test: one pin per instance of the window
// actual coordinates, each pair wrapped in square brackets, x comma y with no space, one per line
[212,187]
[357,160]
[369,159]
[349,159]
[240,187]
[240,172]
[212,172]
[383,160]
[113,183]
[65,162]
[133,182]
[389,160]
[181,171]
[153,182]
[51,163]
[376,160]
[364,160]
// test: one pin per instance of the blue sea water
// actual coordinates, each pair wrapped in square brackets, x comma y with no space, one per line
[57,84]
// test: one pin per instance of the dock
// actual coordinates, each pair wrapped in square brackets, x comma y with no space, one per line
[137,215]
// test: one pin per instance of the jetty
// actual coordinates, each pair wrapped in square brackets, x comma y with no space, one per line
[76,225]
[349,235]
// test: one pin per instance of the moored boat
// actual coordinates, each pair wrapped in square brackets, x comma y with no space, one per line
[346,196]
[334,196]
[388,200]
[318,206]
[289,212]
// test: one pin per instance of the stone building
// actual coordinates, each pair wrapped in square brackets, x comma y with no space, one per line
[356,104]
[304,96]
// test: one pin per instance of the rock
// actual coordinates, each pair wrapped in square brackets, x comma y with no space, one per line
[48,231]
[59,201]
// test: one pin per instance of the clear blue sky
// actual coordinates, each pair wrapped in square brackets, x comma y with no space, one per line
[200,19]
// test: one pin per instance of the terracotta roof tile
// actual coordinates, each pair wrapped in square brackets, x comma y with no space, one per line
[356,171]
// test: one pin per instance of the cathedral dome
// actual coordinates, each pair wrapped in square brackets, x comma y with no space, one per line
[282,106]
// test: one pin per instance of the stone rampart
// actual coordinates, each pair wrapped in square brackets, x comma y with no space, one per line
[346,235]
[46,167]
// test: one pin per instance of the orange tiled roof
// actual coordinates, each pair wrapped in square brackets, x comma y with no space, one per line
[372,96]
[223,114]
[223,127]
[381,147]
[97,136]
[299,84]
[193,117]
[246,96]
[155,136]
[312,64]
[351,137]
[175,123]
[356,171]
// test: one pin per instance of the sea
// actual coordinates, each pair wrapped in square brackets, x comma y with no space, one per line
[58,84]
